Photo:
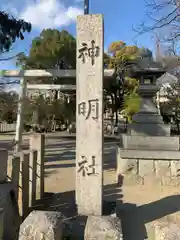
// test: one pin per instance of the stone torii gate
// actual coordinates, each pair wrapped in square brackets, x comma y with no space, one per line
[24,75]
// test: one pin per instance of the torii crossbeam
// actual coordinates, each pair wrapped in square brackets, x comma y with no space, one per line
[27,74]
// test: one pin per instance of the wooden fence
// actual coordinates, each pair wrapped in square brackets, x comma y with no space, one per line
[27,174]
[6,127]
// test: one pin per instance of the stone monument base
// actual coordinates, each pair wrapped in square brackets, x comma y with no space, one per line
[142,158]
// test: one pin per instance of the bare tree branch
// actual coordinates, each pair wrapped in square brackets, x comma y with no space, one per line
[161,14]
[11,57]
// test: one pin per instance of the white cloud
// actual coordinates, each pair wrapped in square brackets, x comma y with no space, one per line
[50,13]
[47,13]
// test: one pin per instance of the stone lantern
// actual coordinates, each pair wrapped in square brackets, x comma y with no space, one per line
[147,121]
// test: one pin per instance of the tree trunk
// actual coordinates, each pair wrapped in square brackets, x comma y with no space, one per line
[112,108]
[116,108]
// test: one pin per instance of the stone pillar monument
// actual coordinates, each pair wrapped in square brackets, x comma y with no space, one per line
[147,121]
[89,114]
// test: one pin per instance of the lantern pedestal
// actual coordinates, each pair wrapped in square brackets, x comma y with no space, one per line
[147,121]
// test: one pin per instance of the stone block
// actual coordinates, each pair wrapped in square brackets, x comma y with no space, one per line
[151,180]
[42,225]
[125,165]
[131,179]
[173,181]
[162,167]
[165,230]
[37,143]
[103,228]
[146,167]
[32,177]
[3,168]
[175,168]
[11,218]
[163,171]
[148,142]
[150,154]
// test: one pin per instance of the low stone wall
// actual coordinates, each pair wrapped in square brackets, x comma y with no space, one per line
[157,166]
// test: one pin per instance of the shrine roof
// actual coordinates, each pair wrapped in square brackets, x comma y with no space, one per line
[148,65]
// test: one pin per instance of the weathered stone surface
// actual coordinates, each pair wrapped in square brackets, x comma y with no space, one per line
[103,228]
[11,219]
[162,167]
[89,114]
[175,168]
[42,225]
[131,179]
[163,171]
[150,154]
[175,173]
[146,167]
[128,168]
[37,142]
[125,165]
[150,142]
[167,231]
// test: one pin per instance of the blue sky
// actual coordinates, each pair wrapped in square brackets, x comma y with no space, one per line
[119,18]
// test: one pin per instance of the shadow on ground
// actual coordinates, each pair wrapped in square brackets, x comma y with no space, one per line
[63,152]
[65,155]
[66,136]
[65,203]
[133,217]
